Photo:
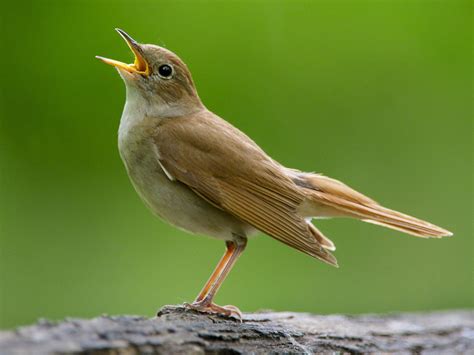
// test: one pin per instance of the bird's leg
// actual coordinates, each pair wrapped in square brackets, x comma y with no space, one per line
[203,302]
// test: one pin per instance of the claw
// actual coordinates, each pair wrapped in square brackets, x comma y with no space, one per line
[228,311]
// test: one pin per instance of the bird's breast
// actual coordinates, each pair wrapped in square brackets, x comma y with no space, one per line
[170,200]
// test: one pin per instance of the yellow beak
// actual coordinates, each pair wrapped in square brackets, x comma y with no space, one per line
[139,66]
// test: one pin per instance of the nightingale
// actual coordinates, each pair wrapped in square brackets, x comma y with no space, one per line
[201,174]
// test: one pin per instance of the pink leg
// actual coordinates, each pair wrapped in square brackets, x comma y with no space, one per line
[203,302]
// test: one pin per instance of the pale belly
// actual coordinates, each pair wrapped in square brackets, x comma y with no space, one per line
[173,201]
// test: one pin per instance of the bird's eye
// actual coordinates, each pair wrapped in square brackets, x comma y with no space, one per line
[165,71]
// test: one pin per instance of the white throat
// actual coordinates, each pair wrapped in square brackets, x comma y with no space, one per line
[138,108]
[135,111]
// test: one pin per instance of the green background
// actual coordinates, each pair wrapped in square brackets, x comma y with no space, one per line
[377,94]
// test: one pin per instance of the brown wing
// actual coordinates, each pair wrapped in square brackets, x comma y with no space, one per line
[224,166]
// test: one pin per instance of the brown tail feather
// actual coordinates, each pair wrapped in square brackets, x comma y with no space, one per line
[408,224]
[386,217]
[400,229]
[340,197]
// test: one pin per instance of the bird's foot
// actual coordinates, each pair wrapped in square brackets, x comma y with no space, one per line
[212,308]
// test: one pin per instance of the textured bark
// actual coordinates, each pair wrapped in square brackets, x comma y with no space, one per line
[177,330]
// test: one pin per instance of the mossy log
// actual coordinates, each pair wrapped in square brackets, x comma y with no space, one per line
[181,331]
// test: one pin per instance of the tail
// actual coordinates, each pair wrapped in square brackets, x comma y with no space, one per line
[337,199]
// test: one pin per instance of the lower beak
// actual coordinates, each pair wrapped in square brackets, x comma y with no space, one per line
[139,66]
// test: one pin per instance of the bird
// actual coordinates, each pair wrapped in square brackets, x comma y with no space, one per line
[201,174]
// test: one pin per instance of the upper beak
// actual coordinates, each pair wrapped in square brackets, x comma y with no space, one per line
[139,66]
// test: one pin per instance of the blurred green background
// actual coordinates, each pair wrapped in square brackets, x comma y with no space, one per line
[377,94]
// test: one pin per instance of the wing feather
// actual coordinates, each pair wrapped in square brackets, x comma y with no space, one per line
[225,167]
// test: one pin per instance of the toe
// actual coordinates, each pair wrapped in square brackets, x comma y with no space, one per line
[211,308]
[234,311]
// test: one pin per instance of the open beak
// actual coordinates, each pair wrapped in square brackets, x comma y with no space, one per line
[139,66]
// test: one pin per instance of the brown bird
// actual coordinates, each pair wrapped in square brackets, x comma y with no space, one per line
[203,175]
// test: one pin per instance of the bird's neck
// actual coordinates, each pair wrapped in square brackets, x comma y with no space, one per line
[140,111]
[139,105]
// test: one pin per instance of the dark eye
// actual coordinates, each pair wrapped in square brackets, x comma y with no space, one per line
[165,71]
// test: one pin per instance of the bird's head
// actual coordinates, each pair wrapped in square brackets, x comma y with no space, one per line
[158,76]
